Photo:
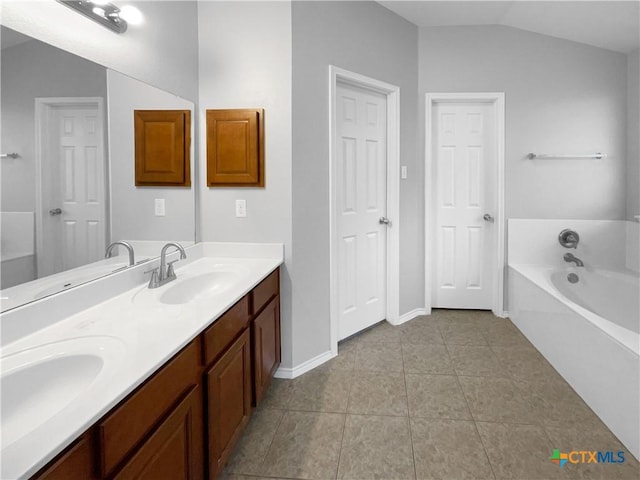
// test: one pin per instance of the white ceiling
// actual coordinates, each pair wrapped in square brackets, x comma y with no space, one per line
[613,25]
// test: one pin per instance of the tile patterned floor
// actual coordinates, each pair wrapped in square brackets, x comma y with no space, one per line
[456,395]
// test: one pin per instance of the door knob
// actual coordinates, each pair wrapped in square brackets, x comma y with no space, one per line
[55,211]
[487,218]
[384,221]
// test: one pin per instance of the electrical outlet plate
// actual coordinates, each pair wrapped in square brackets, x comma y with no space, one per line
[159,207]
[241,208]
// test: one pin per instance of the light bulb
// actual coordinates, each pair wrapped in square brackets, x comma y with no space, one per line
[99,11]
[131,15]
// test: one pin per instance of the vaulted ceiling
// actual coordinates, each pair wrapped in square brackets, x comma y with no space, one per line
[613,25]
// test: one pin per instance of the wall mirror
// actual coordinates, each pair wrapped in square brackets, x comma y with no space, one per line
[67,172]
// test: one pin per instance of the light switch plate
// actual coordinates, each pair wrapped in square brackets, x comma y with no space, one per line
[403,172]
[159,207]
[241,208]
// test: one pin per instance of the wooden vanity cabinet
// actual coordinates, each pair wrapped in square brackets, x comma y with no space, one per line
[185,420]
[228,401]
[174,450]
[75,462]
[265,333]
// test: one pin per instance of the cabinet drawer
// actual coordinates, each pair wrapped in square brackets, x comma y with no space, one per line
[225,330]
[265,291]
[123,429]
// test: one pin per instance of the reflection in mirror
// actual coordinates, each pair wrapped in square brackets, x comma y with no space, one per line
[69,192]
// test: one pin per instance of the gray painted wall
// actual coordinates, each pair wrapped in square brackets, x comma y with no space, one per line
[162,52]
[29,70]
[132,208]
[633,135]
[368,39]
[561,97]
[245,62]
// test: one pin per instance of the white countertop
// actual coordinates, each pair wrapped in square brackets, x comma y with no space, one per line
[136,335]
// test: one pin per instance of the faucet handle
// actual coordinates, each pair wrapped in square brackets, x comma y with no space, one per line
[170,271]
[154,280]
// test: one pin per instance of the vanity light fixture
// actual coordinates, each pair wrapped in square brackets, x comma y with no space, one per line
[100,11]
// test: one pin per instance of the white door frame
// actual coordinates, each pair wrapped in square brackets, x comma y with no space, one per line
[497,100]
[392,93]
[43,107]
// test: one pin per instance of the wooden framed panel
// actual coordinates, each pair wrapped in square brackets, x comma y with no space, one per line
[162,147]
[235,148]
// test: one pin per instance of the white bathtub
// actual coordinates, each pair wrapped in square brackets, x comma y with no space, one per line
[589,332]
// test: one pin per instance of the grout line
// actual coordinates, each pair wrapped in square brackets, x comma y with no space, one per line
[475,424]
[413,452]
[271,442]
[344,425]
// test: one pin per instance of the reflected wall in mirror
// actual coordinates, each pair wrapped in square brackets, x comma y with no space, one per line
[70,190]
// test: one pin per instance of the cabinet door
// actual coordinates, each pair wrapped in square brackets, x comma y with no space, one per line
[174,450]
[235,148]
[162,147]
[228,401]
[76,462]
[266,347]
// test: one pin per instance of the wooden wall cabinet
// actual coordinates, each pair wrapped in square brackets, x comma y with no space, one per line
[185,420]
[235,148]
[162,147]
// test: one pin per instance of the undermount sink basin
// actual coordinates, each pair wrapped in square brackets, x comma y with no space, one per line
[39,382]
[190,289]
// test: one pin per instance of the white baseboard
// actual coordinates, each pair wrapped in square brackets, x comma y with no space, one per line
[410,316]
[304,367]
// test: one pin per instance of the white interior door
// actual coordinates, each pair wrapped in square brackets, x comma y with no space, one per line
[361,195]
[73,187]
[464,151]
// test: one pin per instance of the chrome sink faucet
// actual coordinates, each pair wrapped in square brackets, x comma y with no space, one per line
[570,257]
[165,273]
[126,245]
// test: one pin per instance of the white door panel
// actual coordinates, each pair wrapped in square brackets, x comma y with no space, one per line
[464,163]
[73,180]
[360,203]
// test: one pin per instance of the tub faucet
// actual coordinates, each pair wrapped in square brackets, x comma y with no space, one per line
[126,245]
[570,257]
[166,273]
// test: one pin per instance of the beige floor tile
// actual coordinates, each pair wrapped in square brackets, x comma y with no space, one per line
[346,358]
[321,391]
[381,333]
[278,394]
[436,396]
[379,357]
[519,451]
[375,393]
[421,330]
[476,360]
[306,446]
[432,359]
[252,448]
[376,448]
[525,363]
[448,449]
[493,399]
[233,476]
[556,403]
[504,334]
[461,333]
[594,438]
